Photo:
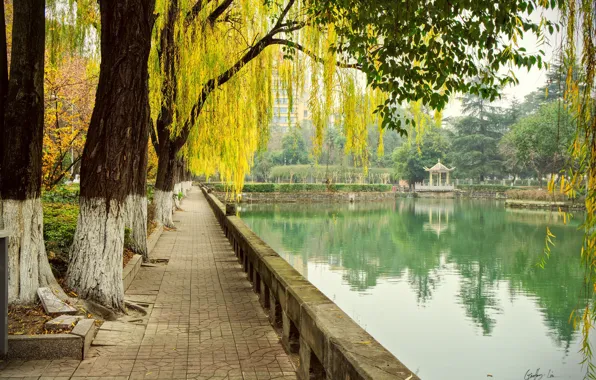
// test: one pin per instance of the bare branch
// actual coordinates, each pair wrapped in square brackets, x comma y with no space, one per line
[283,15]
[195,10]
[221,8]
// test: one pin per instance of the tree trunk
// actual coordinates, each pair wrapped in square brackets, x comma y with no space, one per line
[3,75]
[136,201]
[119,121]
[22,138]
[164,183]
[177,186]
[166,148]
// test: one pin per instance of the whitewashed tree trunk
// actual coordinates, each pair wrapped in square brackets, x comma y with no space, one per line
[136,221]
[95,268]
[177,200]
[28,266]
[164,204]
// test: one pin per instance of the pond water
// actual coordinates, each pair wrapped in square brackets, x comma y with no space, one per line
[450,287]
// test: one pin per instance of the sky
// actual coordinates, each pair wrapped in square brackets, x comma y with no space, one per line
[528,80]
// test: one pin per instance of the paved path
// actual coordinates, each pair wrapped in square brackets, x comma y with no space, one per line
[204,321]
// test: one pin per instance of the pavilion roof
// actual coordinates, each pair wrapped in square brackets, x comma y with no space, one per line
[438,168]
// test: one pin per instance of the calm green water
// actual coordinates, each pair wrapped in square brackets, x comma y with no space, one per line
[451,287]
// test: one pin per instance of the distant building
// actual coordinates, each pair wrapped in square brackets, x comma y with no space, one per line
[283,115]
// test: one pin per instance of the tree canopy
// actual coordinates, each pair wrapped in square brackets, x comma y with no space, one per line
[416,50]
[441,49]
[410,159]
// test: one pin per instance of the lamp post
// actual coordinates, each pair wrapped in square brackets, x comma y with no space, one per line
[4,293]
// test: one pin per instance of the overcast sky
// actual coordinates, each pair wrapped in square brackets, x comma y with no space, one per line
[528,80]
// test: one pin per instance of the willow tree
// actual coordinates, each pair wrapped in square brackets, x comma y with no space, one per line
[22,101]
[219,56]
[115,151]
[579,18]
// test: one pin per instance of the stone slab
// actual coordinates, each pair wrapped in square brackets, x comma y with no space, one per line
[52,304]
[45,347]
[86,329]
[63,322]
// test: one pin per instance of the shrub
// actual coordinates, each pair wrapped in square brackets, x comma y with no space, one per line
[301,187]
[536,195]
[150,192]
[495,188]
[128,242]
[298,187]
[60,224]
[301,173]
[349,187]
[258,188]
[62,194]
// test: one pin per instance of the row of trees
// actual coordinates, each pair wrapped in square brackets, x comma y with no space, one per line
[524,139]
[171,73]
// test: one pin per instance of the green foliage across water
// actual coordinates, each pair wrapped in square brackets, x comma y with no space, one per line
[337,173]
[496,188]
[426,243]
[305,187]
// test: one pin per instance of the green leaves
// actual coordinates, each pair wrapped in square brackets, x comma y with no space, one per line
[421,45]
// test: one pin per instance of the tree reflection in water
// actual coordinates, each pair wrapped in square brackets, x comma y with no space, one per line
[420,240]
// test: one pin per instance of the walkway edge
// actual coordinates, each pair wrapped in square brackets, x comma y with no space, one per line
[329,342]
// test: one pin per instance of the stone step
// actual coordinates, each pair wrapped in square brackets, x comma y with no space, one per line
[63,322]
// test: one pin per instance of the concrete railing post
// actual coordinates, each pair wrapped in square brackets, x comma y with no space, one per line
[310,366]
[4,294]
[290,336]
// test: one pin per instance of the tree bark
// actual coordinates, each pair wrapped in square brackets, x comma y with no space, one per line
[165,147]
[22,138]
[3,74]
[118,129]
[164,183]
[136,201]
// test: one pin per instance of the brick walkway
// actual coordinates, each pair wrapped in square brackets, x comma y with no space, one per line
[203,321]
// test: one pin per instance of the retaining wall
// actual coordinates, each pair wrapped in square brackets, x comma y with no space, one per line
[330,344]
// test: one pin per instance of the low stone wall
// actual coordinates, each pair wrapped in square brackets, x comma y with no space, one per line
[73,345]
[130,270]
[134,265]
[481,194]
[544,205]
[463,194]
[153,238]
[330,344]
[312,197]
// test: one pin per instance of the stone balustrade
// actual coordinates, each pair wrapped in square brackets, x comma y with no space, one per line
[423,187]
[330,344]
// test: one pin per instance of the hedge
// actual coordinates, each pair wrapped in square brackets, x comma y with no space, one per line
[300,187]
[300,173]
[495,188]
